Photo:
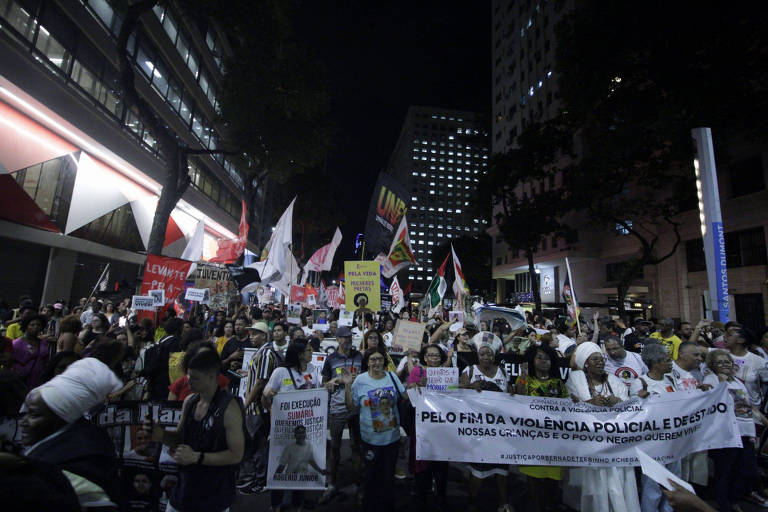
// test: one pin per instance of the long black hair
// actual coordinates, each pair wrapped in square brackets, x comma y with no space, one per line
[294,351]
[530,356]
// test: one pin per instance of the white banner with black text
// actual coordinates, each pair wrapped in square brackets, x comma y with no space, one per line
[498,428]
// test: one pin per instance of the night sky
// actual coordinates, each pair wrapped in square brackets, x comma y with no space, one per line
[383,58]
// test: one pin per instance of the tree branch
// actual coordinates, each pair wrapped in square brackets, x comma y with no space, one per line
[678,240]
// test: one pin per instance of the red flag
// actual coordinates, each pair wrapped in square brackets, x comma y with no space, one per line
[441,270]
[407,290]
[230,250]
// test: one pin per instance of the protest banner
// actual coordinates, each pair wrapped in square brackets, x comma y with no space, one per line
[143,303]
[386,302]
[219,281]
[201,295]
[147,469]
[442,378]
[498,428]
[407,336]
[362,285]
[389,203]
[167,274]
[158,296]
[297,440]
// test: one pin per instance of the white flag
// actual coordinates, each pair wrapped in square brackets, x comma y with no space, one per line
[278,251]
[398,299]
[460,288]
[194,249]
[104,280]
[322,259]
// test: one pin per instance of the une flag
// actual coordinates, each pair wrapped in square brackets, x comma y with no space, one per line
[400,252]
[434,295]
[460,287]
[398,298]
[571,305]
[230,250]
[276,256]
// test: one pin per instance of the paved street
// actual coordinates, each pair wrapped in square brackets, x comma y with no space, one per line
[405,500]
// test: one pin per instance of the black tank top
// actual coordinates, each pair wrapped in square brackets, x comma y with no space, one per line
[205,488]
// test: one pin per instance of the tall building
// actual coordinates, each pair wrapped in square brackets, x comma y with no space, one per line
[524,91]
[80,173]
[440,154]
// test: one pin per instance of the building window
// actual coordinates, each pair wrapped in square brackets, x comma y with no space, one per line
[742,249]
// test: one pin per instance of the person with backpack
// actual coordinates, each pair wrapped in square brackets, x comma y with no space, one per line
[209,441]
[156,356]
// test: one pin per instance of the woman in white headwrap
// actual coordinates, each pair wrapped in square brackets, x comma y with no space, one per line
[602,489]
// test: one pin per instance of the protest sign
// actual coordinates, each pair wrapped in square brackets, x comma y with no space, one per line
[320,327]
[297,440]
[147,469]
[456,316]
[143,303]
[158,296]
[407,336]
[298,294]
[318,360]
[332,296]
[386,302]
[320,316]
[201,295]
[293,315]
[248,355]
[311,300]
[346,317]
[362,285]
[167,274]
[218,279]
[443,379]
[498,428]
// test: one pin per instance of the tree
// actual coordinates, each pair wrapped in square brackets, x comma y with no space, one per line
[260,143]
[515,182]
[642,86]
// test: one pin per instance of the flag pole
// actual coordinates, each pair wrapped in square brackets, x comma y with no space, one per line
[97,283]
[573,294]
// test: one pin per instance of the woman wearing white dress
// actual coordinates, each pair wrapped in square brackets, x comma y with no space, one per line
[601,489]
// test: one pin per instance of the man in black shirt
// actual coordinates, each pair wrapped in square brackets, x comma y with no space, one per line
[635,340]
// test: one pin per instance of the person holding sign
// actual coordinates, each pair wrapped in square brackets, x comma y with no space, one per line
[297,373]
[601,488]
[425,471]
[543,380]
[376,394]
[487,376]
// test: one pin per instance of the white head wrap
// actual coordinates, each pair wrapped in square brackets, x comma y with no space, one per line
[487,339]
[583,352]
[83,385]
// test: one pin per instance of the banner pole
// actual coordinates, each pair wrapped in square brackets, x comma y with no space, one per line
[573,294]
[97,283]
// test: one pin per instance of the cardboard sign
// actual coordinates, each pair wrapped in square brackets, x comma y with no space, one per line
[362,285]
[143,303]
[443,379]
[158,296]
[407,336]
[201,295]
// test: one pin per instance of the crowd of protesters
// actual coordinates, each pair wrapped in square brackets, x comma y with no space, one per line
[57,362]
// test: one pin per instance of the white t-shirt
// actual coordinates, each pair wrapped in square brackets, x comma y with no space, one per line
[654,387]
[628,369]
[751,369]
[499,379]
[284,379]
[296,458]
[742,405]
[684,380]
